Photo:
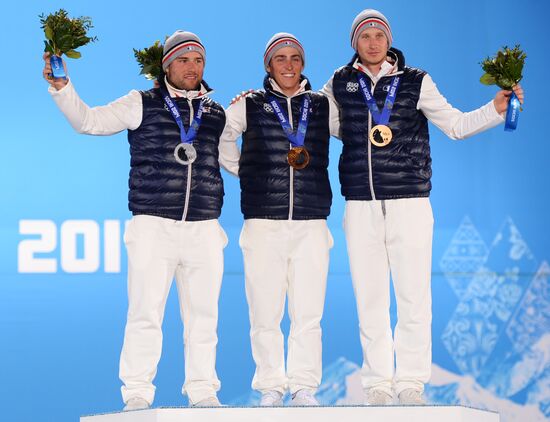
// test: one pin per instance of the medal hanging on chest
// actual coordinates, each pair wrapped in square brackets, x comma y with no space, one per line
[298,156]
[380,135]
[184,153]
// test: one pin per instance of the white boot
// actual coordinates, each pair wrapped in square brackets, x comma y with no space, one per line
[271,398]
[136,403]
[207,402]
[378,397]
[411,397]
[304,397]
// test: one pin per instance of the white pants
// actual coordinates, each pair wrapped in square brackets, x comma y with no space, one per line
[382,237]
[286,258]
[159,248]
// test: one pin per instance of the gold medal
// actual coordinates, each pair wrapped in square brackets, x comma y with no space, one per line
[380,135]
[298,158]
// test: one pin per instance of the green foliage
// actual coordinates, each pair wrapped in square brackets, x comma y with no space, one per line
[505,69]
[150,60]
[64,35]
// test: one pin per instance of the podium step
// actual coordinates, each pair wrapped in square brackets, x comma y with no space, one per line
[302,414]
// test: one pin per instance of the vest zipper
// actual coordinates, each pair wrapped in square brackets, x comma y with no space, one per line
[289,110]
[369,149]
[189,168]
[291,196]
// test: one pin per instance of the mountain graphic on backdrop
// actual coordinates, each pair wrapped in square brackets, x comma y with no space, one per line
[446,387]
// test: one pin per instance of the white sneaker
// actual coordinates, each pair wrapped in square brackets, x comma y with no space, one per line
[207,402]
[377,397]
[271,398]
[412,397]
[304,397]
[136,403]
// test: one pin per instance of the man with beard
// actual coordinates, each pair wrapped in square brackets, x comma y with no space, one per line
[176,195]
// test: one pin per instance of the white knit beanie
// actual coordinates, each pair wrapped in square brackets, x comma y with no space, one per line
[369,18]
[281,40]
[181,42]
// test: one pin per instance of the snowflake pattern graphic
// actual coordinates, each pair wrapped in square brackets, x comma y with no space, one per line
[488,304]
[464,256]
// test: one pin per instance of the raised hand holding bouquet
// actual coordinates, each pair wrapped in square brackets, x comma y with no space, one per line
[63,36]
[505,71]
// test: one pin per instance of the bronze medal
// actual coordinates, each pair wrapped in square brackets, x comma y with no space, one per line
[298,157]
[380,135]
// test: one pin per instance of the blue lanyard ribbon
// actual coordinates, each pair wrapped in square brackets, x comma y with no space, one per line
[383,117]
[296,139]
[186,137]
[512,114]
[57,67]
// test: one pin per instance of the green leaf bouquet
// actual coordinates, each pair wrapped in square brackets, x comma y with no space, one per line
[64,34]
[505,69]
[150,60]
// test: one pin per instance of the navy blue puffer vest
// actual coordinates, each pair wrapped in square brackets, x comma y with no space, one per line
[401,169]
[270,188]
[159,185]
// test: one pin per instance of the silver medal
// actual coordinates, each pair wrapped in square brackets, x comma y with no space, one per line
[188,152]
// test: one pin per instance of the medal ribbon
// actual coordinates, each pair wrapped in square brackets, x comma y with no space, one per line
[186,137]
[297,139]
[512,114]
[57,67]
[380,118]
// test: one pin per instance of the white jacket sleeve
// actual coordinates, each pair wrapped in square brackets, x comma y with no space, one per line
[121,114]
[453,122]
[235,125]
[334,110]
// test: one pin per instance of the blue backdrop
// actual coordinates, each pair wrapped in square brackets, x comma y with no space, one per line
[64,204]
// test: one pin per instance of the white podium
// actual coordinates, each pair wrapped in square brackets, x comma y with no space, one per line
[302,414]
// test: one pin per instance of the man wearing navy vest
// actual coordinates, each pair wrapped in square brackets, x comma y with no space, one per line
[285,199]
[176,195]
[385,170]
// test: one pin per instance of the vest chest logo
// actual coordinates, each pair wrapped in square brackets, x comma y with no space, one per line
[386,88]
[268,108]
[352,86]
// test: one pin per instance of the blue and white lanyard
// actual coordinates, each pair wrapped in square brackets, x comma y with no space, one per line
[186,137]
[383,117]
[296,139]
